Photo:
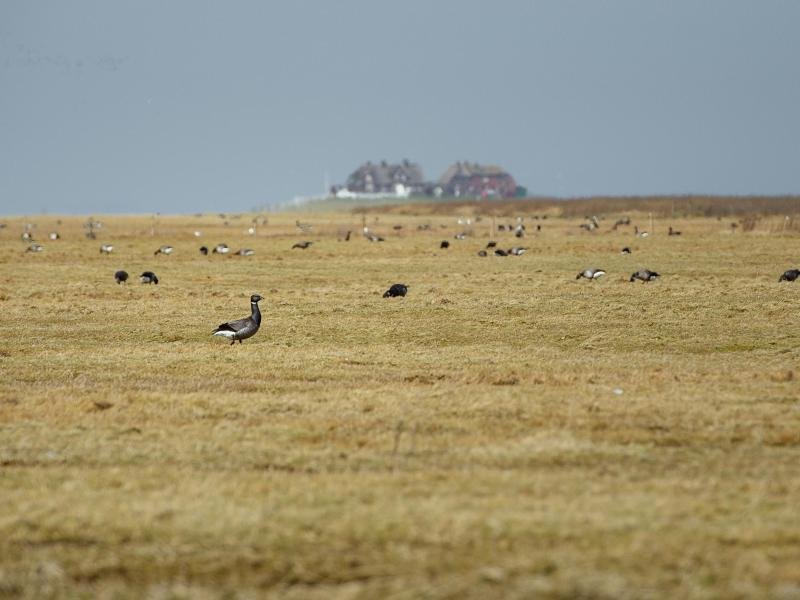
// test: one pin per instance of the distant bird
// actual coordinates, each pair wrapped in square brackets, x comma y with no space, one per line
[371,236]
[398,289]
[302,245]
[397,227]
[197,234]
[26,236]
[644,275]
[304,227]
[672,231]
[641,234]
[204,250]
[461,236]
[54,235]
[148,277]
[347,237]
[106,249]
[444,244]
[482,253]
[790,275]
[245,252]
[517,251]
[491,244]
[163,250]
[34,247]
[221,249]
[591,274]
[500,252]
[121,276]
[241,329]
[519,231]
[626,250]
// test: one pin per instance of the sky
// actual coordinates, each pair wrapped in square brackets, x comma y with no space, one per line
[190,106]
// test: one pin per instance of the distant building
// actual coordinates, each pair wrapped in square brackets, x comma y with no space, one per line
[477,181]
[384,178]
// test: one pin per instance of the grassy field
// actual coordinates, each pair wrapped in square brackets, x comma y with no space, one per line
[502,431]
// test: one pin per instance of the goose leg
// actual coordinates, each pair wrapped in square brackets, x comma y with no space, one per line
[233,342]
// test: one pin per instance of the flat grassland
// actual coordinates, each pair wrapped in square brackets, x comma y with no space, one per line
[505,430]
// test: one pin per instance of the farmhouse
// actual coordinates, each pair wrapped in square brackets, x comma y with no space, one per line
[477,181]
[403,178]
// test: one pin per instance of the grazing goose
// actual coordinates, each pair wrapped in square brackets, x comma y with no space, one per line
[491,244]
[163,250]
[34,247]
[204,250]
[500,252]
[54,235]
[245,252]
[121,276]
[626,250]
[591,274]
[148,277]
[106,249]
[398,289]
[644,275]
[221,249]
[302,245]
[241,329]
[444,244]
[482,253]
[517,251]
[672,231]
[790,275]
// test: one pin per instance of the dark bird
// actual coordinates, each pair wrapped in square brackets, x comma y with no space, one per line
[204,250]
[790,275]
[491,244]
[500,252]
[626,250]
[121,276]
[591,273]
[397,227]
[444,244]
[302,245]
[241,329]
[644,275]
[148,277]
[398,289]
[482,253]
[672,231]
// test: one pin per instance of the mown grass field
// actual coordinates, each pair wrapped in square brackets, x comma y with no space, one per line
[502,431]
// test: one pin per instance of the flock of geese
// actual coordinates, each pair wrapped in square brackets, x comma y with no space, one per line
[244,328]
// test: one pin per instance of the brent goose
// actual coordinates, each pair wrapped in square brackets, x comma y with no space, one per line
[34,247]
[245,252]
[672,231]
[163,250]
[461,236]
[644,275]
[347,237]
[626,250]
[106,249]
[491,244]
[517,251]
[26,236]
[444,244]
[54,235]
[121,276]
[241,329]
[591,273]
[500,252]
[148,277]
[398,289]
[302,245]
[642,234]
[221,249]
[790,275]
[204,250]
[482,253]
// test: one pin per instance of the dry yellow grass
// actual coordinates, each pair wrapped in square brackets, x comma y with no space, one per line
[503,431]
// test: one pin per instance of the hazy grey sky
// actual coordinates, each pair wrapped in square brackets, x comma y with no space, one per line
[184,106]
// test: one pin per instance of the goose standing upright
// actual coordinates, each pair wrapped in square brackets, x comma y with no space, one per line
[241,329]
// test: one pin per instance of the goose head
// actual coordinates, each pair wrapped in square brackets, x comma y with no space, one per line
[255,298]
